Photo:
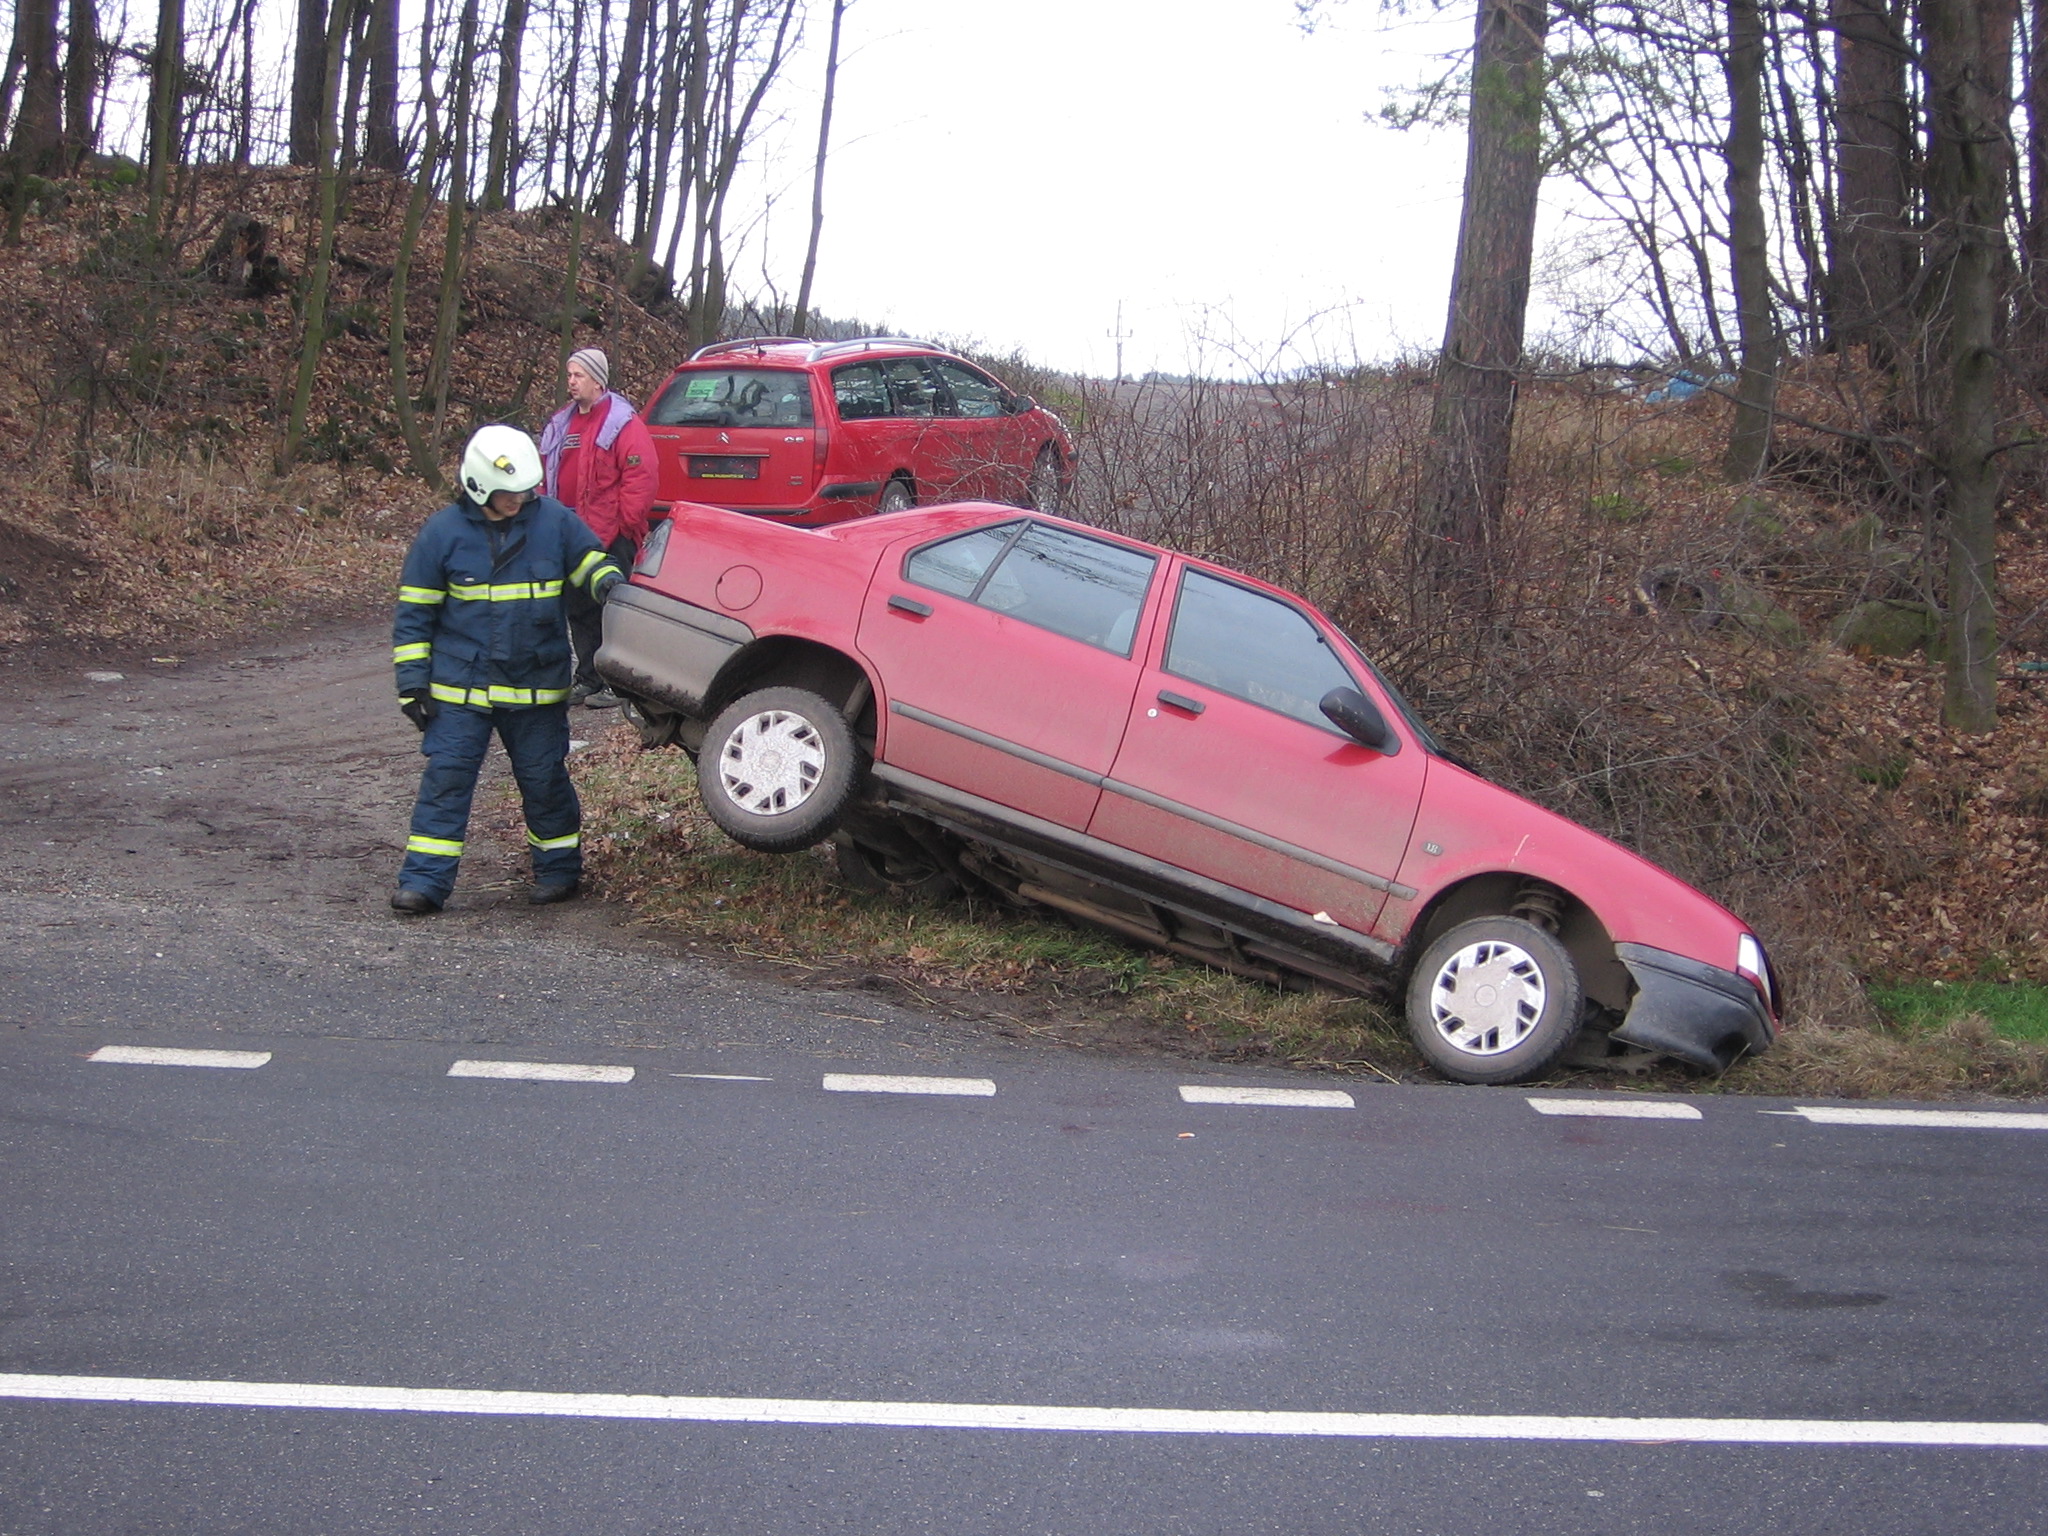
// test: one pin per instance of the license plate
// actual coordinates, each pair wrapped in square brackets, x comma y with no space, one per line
[709,466]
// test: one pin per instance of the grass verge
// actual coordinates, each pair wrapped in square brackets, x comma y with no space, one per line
[651,847]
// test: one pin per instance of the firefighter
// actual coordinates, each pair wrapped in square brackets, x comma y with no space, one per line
[481,645]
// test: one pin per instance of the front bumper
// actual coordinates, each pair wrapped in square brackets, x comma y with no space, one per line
[1697,1012]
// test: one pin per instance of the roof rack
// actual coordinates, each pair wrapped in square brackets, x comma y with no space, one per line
[834,348]
[748,344]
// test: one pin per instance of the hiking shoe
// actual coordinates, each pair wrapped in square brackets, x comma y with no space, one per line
[548,895]
[411,903]
[581,691]
[604,698]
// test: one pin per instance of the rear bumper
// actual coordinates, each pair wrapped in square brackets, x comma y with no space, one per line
[665,651]
[1697,1012]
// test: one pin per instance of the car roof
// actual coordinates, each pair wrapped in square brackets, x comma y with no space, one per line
[796,352]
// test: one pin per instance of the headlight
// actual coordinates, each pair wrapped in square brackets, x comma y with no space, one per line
[1751,962]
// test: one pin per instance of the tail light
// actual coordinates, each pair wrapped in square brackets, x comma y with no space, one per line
[818,438]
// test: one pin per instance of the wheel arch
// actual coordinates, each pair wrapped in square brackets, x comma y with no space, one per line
[1510,893]
[791,661]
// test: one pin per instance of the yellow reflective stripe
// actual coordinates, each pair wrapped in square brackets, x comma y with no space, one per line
[497,693]
[419,650]
[421,594]
[509,592]
[573,840]
[578,576]
[447,848]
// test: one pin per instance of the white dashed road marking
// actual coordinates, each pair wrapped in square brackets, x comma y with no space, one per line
[858,1082]
[167,1056]
[542,1071]
[1616,1109]
[1291,1098]
[723,1077]
[1953,1119]
[1028,1416]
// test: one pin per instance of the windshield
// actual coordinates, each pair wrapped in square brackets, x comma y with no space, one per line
[734,397]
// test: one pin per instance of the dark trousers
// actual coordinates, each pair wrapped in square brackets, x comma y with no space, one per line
[586,617]
[537,741]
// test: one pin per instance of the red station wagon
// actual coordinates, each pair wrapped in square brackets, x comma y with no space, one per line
[817,432]
[974,696]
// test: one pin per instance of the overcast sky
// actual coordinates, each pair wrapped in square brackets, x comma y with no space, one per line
[1012,173]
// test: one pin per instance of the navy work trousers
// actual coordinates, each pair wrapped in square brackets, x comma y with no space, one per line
[537,741]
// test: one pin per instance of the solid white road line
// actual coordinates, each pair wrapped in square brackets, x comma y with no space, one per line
[1955,1119]
[858,1082]
[1294,1098]
[1143,1421]
[1616,1109]
[542,1071]
[167,1056]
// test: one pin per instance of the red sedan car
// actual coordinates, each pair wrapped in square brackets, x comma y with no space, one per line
[978,696]
[818,432]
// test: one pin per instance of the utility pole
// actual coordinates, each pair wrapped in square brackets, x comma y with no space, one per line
[1119,335]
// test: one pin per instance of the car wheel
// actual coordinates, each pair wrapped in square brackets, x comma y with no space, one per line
[897,496]
[1042,491]
[776,769]
[1495,1000]
[915,878]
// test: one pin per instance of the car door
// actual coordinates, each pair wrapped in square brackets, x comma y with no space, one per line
[1229,769]
[984,448]
[886,409]
[1006,657]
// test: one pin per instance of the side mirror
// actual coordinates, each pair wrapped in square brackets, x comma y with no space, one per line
[1360,719]
[1019,404]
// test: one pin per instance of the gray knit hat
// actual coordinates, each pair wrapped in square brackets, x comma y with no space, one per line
[594,363]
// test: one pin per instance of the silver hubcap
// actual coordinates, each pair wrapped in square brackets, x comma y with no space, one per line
[1487,998]
[770,765]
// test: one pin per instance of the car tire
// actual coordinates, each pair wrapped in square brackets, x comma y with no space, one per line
[1042,490]
[777,769]
[897,496]
[1495,1000]
[915,881]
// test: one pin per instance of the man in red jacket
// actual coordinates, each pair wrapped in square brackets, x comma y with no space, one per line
[599,460]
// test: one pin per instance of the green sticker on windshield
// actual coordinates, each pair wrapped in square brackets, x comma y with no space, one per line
[701,389]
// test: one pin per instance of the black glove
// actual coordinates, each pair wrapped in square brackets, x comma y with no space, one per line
[606,585]
[419,706]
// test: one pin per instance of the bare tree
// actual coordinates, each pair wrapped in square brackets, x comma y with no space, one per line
[803,291]
[1749,440]
[499,171]
[1473,419]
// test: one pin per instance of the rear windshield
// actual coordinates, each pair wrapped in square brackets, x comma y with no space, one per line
[734,397]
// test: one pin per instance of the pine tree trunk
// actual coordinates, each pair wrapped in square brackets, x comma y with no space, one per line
[166,67]
[498,172]
[1472,424]
[1749,440]
[1870,247]
[309,71]
[1961,42]
[314,340]
[611,183]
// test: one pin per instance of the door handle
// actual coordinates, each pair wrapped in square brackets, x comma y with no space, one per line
[1181,701]
[910,605]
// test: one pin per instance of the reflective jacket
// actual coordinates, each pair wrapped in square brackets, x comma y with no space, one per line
[480,618]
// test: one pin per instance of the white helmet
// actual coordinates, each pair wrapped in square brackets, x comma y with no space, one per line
[499,458]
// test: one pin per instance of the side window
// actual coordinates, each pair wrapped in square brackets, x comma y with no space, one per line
[956,565]
[974,394]
[1252,646]
[861,394]
[1079,587]
[911,390]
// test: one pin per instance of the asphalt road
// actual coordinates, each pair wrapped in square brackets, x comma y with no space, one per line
[743,1296]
